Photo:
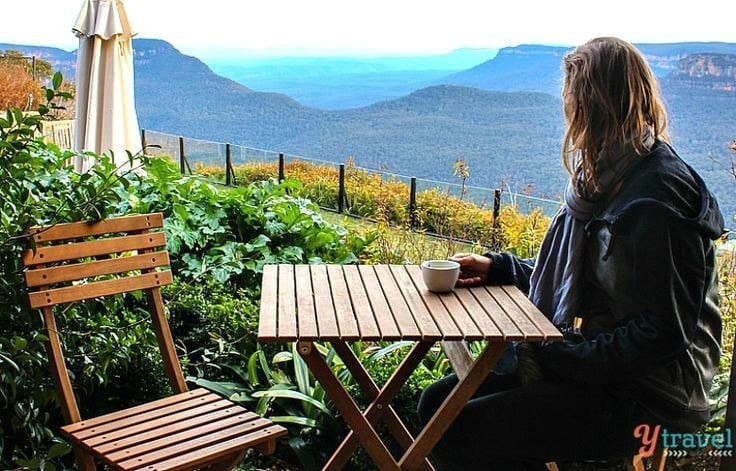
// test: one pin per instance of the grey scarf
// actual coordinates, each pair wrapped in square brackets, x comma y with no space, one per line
[555,282]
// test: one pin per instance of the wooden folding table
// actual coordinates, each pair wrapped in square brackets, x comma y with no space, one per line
[344,303]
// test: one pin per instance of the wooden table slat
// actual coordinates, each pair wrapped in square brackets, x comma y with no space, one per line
[306,316]
[476,312]
[468,329]
[384,318]
[389,302]
[269,296]
[323,303]
[493,311]
[287,303]
[423,319]
[531,311]
[439,312]
[363,312]
[515,314]
[347,325]
[399,308]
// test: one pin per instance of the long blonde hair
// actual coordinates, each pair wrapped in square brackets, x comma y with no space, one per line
[611,98]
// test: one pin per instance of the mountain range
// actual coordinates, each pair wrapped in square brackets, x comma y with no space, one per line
[502,116]
[538,68]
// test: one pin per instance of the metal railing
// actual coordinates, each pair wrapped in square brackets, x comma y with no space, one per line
[191,152]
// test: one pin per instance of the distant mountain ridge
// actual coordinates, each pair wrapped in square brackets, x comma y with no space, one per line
[538,68]
[519,68]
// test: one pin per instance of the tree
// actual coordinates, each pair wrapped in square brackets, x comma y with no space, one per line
[17,87]
[42,70]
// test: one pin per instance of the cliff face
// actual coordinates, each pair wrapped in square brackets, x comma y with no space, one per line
[706,71]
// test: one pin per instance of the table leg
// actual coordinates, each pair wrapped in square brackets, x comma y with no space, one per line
[451,407]
[347,407]
[380,406]
[458,353]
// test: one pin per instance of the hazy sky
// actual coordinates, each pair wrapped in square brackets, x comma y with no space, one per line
[213,27]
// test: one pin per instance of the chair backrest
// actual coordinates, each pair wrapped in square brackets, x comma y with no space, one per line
[76,261]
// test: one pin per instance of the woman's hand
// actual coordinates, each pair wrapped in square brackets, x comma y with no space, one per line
[473,268]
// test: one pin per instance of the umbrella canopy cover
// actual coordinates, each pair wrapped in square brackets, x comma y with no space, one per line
[106,120]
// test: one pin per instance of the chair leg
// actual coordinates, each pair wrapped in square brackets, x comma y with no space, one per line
[84,461]
[636,464]
[267,448]
[659,459]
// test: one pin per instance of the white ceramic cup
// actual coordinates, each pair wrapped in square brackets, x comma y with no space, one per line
[440,276]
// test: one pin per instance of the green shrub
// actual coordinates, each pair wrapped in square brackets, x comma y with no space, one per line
[212,323]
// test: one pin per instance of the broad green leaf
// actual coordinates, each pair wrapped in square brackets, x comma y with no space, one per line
[290,419]
[389,349]
[223,388]
[242,374]
[253,368]
[291,394]
[262,406]
[57,80]
[58,449]
[282,357]
[301,371]
[264,364]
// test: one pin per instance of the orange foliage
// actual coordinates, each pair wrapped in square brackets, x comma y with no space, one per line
[17,87]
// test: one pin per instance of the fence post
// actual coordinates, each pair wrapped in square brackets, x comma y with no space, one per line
[182,165]
[496,206]
[413,203]
[281,167]
[144,144]
[341,190]
[228,165]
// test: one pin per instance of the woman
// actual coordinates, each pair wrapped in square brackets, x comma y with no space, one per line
[631,253]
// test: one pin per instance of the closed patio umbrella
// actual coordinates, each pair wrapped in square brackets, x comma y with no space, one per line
[106,119]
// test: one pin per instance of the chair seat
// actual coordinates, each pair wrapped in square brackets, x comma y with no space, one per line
[189,429]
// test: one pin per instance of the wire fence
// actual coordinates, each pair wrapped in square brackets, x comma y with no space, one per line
[195,155]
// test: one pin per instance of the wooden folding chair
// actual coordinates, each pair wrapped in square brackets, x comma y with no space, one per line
[189,430]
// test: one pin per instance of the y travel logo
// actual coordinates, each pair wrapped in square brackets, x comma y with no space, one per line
[683,444]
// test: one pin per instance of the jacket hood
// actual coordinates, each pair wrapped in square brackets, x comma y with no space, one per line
[662,179]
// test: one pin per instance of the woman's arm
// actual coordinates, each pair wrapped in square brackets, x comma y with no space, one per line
[508,269]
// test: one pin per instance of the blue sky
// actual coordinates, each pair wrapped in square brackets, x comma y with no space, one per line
[230,27]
